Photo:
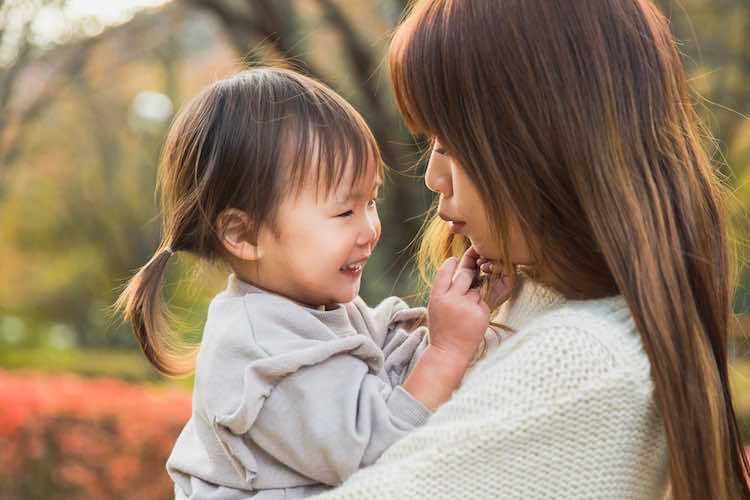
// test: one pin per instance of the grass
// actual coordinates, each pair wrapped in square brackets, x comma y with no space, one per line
[125,365]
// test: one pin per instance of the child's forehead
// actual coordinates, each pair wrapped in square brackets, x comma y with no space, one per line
[337,188]
[351,181]
[348,188]
[330,170]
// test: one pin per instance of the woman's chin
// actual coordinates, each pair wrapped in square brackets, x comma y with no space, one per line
[482,251]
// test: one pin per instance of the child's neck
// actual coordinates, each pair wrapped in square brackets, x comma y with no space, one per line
[250,275]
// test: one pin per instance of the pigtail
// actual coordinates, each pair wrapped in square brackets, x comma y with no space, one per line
[142,305]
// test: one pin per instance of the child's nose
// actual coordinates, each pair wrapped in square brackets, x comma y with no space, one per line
[370,231]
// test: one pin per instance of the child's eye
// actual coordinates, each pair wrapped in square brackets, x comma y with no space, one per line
[345,214]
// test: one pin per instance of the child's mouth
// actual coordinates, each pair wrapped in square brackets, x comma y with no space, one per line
[354,269]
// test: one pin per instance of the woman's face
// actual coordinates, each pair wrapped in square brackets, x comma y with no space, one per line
[461,207]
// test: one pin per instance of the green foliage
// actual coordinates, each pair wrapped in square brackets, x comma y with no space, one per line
[739,373]
[131,366]
[77,211]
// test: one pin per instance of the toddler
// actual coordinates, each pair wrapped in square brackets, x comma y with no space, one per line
[298,383]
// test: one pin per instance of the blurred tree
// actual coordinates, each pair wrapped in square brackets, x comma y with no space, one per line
[74,217]
[99,231]
[16,41]
[713,37]
[79,140]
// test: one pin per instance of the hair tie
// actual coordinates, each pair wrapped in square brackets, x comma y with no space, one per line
[169,251]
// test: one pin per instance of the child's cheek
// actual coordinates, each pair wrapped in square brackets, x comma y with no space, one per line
[377,235]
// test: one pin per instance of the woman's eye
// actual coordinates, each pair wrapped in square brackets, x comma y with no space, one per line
[345,214]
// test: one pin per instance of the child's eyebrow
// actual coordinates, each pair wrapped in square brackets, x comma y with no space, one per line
[359,194]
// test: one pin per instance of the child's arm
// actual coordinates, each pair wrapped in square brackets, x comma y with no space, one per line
[328,420]
[401,331]
[458,319]
[398,330]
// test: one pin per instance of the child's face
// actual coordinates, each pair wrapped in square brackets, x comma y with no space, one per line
[321,244]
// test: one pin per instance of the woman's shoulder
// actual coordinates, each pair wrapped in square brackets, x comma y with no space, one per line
[566,350]
[602,330]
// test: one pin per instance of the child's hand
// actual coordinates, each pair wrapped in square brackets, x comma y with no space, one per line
[458,319]
[458,316]
[499,286]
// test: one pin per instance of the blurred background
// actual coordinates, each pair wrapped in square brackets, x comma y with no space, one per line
[87,91]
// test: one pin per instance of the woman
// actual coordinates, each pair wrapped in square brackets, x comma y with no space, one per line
[564,144]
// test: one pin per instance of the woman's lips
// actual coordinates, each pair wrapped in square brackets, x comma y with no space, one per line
[454,225]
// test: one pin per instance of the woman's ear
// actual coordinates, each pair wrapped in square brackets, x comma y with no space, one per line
[234,232]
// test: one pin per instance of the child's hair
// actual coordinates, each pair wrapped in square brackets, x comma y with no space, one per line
[245,143]
[574,121]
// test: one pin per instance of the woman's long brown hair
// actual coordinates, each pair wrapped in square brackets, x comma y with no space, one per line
[573,118]
[243,143]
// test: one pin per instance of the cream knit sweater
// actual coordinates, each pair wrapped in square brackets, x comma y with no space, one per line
[563,408]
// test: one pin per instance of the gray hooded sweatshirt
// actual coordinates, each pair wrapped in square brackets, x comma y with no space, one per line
[289,401]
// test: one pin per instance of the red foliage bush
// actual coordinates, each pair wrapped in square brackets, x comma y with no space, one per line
[67,437]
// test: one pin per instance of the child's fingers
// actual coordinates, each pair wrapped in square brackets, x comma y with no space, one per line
[444,275]
[474,295]
[462,281]
[484,307]
[469,259]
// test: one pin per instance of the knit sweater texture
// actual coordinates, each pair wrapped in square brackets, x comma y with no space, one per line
[561,408]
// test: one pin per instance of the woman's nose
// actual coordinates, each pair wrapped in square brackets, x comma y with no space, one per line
[437,177]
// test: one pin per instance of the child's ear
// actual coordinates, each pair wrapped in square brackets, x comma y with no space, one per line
[233,228]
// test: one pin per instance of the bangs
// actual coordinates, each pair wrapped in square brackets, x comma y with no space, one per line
[439,71]
[417,54]
[326,142]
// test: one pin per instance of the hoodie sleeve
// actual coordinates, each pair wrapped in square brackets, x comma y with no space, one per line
[399,330]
